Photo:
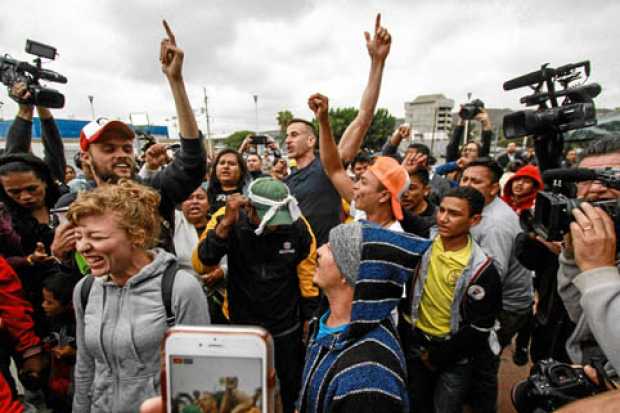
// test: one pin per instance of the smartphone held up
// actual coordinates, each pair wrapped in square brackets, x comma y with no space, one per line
[219,369]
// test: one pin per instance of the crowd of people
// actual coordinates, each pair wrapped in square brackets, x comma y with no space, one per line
[387,281]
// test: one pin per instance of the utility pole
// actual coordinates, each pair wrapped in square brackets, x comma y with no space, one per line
[209,143]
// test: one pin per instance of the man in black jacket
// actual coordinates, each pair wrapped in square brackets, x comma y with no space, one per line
[107,147]
[455,299]
[271,254]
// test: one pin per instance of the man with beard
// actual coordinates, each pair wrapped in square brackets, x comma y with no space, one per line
[107,148]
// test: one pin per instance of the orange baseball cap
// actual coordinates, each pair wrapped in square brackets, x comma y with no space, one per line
[394,178]
[93,131]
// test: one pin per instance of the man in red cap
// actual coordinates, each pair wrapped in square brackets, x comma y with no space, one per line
[107,148]
[376,195]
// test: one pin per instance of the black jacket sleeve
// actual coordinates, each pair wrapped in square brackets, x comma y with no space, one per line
[19,138]
[452,149]
[479,312]
[183,175]
[54,150]
[487,137]
[212,248]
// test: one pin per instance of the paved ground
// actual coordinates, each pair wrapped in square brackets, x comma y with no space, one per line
[509,374]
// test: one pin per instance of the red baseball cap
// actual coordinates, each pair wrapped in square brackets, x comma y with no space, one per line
[394,178]
[95,129]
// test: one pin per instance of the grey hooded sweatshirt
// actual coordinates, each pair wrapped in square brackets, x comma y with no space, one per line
[592,300]
[119,336]
[496,234]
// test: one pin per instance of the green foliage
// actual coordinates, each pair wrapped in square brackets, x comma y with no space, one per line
[234,140]
[283,118]
[382,126]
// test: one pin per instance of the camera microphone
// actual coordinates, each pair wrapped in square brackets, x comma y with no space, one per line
[570,175]
[529,79]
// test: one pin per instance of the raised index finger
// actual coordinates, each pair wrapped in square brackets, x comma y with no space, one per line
[169,33]
[377,22]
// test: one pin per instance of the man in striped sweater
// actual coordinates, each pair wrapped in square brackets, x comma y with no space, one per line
[354,361]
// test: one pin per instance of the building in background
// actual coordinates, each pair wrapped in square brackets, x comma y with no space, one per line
[430,117]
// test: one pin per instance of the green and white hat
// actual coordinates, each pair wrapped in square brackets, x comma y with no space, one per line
[273,202]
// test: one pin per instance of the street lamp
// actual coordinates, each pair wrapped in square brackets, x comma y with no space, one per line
[91,98]
[256,110]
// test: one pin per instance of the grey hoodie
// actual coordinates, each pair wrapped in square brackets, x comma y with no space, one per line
[592,300]
[496,234]
[119,337]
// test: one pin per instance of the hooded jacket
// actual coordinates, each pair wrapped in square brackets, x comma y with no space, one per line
[120,332]
[363,368]
[476,305]
[529,171]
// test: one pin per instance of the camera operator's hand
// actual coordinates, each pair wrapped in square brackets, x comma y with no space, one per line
[379,45]
[170,56]
[245,145]
[19,92]
[594,238]
[483,118]
[319,105]
[64,240]
[156,156]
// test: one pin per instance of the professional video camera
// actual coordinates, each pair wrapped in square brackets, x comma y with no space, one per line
[576,111]
[13,71]
[552,215]
[470,110]
[552,384]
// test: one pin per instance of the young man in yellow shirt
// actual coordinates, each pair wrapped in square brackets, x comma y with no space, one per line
[455,299]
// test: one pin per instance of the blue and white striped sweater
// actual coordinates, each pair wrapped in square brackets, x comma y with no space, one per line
[363,368]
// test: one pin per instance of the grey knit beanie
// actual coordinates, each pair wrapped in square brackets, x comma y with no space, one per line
[345,241]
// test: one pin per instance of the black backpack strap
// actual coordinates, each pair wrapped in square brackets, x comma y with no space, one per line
[85,290]
[167,282]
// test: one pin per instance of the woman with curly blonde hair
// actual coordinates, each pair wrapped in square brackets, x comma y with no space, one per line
[122,322]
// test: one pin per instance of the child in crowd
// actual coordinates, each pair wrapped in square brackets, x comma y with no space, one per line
[60,343]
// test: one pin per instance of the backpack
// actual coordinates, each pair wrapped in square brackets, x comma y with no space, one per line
[167,282]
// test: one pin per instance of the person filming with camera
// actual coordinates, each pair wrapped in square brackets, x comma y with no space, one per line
[588,277]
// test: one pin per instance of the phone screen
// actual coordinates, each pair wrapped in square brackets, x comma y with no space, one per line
[215,384]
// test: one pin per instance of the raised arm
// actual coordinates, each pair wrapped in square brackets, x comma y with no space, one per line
[332,164]
[171,58]
[378,48]
[184,174]
[53,147]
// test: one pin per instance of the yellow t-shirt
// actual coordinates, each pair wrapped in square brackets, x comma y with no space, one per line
[444,270]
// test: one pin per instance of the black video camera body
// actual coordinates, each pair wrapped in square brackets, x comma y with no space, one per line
[470,110]
[552,384]
[552,212]
[13,71]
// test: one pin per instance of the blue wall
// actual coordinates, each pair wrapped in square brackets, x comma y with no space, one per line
[70,128]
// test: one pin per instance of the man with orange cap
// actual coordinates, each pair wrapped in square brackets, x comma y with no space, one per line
[376,195]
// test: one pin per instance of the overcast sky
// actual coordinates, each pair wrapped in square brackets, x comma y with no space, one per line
[284,50]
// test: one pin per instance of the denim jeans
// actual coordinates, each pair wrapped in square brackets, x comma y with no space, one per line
[444,390]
